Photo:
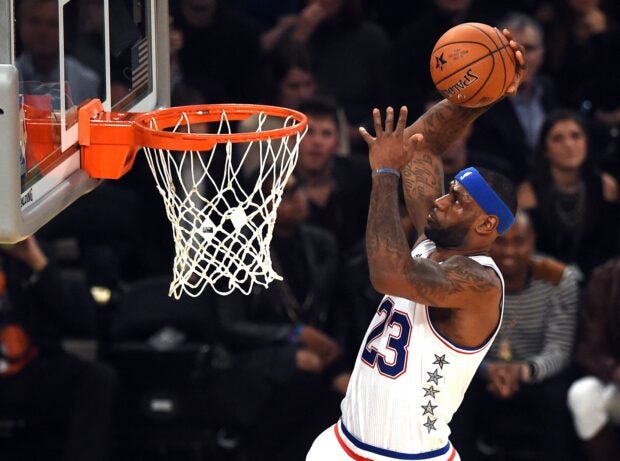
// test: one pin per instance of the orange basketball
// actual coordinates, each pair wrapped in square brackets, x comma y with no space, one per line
[472,64]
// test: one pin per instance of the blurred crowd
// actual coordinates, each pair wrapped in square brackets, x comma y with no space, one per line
[98,363]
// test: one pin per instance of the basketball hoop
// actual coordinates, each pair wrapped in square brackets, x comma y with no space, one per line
[221,225]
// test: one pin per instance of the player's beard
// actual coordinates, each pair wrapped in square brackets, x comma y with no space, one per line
[447,237]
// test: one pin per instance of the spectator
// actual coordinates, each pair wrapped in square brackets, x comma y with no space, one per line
[39,382]
[584,39]
[411,77]
[350,56]
[594,400]
[220,49]
[512,127]
[572,203]
[583,42]
[523,381]
[285,335]
[39,60]
[289,81]
[338,187]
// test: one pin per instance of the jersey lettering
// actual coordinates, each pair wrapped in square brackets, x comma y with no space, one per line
[397,342]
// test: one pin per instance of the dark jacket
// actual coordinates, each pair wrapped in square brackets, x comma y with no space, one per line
[268,317]
[45,305]
[598,350]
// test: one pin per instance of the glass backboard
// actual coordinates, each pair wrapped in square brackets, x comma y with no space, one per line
[54,56]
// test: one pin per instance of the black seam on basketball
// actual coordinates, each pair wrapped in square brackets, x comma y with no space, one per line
[482,85]
[503,63]
[490,37]
[463,41]
[471,63]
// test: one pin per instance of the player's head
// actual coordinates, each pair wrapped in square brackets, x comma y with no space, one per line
[512,250]
[322,139]
[479,206]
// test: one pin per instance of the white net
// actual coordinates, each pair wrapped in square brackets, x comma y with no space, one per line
[222,223]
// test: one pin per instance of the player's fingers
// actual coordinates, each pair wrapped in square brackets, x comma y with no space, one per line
[507,34]
[521,61]
[389,120]
[376,117]
[402,120]
[519,52]
[415,141]
[366,136]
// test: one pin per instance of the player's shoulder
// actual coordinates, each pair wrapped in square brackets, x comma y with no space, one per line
[550,270]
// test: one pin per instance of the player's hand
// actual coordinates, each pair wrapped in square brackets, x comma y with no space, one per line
[521,64]
[307,360]
[387,148]
[318,342]
[27,251]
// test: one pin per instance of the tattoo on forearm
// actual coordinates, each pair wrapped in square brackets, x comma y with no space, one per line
[444,123]
[386,243]
[422,183]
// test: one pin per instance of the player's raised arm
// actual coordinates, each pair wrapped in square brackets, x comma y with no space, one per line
[459,281]
[422,176]
[441,125]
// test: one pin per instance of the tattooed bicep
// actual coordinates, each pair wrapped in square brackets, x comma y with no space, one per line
[463,274]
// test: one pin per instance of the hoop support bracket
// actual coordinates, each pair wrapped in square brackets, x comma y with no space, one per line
[108,141]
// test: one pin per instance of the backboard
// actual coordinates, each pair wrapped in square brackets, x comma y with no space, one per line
[55,55]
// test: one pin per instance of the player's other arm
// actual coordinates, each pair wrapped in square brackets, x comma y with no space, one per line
[422,176]
[459,281]
[441,125]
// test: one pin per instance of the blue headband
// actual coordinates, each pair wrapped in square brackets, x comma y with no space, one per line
[486,197]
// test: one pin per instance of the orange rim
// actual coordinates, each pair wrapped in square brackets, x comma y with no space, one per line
[156,137]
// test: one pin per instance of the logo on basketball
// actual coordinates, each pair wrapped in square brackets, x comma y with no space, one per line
[461,84]
[440,62]
[457,54]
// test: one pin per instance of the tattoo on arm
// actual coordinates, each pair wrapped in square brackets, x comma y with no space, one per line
[422,183]
[386,244]
[443,123]
[458,282]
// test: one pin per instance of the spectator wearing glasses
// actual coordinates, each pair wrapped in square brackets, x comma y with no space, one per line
[512,127]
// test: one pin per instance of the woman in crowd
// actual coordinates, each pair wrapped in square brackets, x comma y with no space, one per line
[573,203]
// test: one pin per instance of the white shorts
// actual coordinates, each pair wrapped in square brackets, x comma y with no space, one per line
[336,444]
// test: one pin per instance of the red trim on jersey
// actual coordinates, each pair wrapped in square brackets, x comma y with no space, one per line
[346,449]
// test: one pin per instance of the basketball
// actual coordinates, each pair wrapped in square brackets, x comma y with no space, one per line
[472,64]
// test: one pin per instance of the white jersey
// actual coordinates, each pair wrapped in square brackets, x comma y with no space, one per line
[408,379]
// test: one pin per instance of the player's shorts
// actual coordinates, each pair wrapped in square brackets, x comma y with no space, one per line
[337,444]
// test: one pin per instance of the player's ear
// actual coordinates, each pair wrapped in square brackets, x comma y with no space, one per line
[487,224]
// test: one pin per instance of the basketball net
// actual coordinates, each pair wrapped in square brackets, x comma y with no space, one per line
[222,225]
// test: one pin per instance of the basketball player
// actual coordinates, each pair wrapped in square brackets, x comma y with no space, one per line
[444,300]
